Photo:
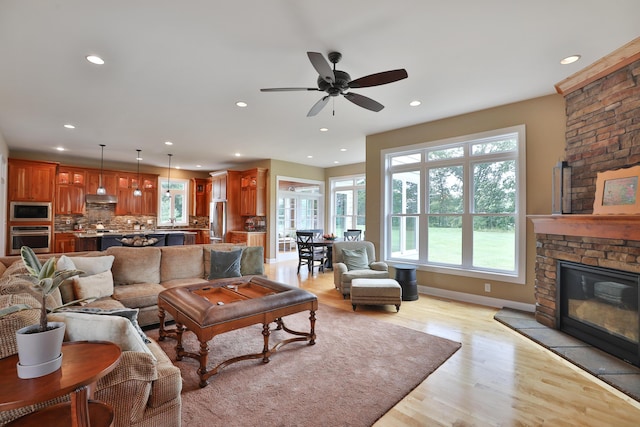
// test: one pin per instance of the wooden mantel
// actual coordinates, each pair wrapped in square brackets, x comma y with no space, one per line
[625,227]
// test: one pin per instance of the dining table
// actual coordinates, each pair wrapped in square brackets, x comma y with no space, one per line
[327,243]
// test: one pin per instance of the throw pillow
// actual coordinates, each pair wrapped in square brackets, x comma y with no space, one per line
[355,259]
[93,264]
[225,264]
[66,288]
[95,286]
[252,260]
[128,313]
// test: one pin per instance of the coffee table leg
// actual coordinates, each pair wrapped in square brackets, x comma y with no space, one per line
[265,350]
[161,333]
[312,331]
[179,348]
[202,370]
[80,407]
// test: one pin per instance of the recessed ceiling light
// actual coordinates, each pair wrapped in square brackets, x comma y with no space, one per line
[177,167]
[168,143]
[324,129]
[237,154]
[415,103]
[241,104]
[570,59]
[60,148]
[198,166]
[336,162]
[95,59]
[309,157]
[343,149]
[69,126]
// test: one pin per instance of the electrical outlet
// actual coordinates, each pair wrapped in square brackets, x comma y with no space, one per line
[487,287]
[68,222]
[128,221]
[149,221]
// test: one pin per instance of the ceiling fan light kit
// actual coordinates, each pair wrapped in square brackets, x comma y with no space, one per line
[336,82]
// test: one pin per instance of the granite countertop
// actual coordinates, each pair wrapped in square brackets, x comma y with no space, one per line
[119,233]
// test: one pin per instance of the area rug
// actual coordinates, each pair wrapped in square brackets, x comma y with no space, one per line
[358,369]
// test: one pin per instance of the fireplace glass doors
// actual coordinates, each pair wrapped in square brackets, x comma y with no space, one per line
[600,306]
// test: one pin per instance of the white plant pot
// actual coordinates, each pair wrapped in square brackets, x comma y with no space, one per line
[39,353]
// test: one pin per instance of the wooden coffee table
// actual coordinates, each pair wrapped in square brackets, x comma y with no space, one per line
[224,305]
[83,363]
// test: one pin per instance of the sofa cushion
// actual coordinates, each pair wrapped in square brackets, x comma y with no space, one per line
[94,286]
[90,265]
[355,259]
[135,265]
[225,264]
[181,262]
[363,274]
[182,282]
[252,261]
[15,285]
[216,247]
[139,295]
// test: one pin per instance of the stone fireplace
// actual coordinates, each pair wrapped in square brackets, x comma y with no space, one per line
[602,134]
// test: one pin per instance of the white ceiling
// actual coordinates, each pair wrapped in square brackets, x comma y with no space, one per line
[174,70]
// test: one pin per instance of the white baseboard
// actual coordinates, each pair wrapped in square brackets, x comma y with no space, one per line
[476,299]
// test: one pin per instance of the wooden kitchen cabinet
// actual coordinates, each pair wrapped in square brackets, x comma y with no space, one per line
[70,190]
[201,196]
[31,181]
[128,204]
[64,242]
[250,238]
[87,244]
[253,192]
[109,181]
[219,186]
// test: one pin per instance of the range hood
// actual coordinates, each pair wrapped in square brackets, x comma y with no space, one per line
[101,199]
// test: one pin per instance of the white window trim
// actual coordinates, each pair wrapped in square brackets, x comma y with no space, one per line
[164,180]
[519,277]
[332,201]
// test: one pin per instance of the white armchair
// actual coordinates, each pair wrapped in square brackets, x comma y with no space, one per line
[358,262]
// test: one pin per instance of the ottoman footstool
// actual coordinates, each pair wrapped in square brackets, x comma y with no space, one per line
[376,292]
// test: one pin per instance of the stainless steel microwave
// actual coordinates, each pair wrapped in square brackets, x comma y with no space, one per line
[30,211]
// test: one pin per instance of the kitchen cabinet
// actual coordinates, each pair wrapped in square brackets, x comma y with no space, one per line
[253,184]
[201,196]
[203,237]
[219,186]
[70,190]
[64,242]
[250,238]
[31,181]
[109,181]
[87,244]
[128,204]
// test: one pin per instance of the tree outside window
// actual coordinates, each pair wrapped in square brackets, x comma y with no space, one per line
[173,210]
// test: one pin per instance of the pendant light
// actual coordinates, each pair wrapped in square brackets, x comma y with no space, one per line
[168,193]
[137,192]
[101,190]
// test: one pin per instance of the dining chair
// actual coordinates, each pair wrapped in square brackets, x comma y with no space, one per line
[308,252]
[352,235]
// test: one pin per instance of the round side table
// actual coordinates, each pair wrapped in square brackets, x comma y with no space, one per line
[406,277]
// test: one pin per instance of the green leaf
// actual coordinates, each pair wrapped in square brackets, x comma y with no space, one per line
[13,309]
[31,261]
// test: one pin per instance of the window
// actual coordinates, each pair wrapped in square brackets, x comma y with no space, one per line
[348,204]
[458,206]
[173,210]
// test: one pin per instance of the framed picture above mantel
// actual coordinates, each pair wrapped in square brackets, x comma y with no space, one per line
[617,192]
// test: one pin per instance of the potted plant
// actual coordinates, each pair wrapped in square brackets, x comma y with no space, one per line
[39,346]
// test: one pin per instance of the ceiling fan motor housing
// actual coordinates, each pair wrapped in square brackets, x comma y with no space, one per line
[341,84]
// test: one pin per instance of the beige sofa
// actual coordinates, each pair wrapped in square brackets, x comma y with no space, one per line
[145,387]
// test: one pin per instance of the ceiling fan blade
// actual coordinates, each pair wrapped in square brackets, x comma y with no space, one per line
[322,67]
[288,89]
[364,102]
[318,106]
[379,78]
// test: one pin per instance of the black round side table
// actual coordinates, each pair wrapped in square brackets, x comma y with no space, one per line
[406,277]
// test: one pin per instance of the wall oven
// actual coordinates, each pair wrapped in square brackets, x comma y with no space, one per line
[37,237]
[30,211]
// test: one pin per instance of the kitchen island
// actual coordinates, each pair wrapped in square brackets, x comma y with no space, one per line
[99,240]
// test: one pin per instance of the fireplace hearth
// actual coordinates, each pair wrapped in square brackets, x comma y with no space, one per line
[600,306]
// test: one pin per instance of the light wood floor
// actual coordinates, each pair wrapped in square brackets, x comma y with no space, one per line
[497,378]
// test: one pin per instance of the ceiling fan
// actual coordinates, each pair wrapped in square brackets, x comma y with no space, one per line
[335,82]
